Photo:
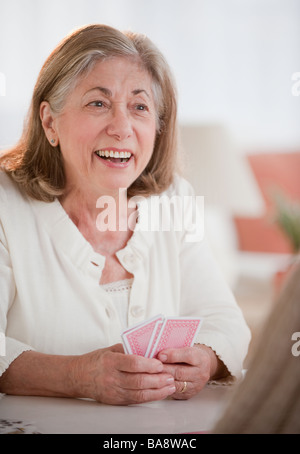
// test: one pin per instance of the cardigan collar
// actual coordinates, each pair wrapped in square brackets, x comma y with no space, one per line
[66,237]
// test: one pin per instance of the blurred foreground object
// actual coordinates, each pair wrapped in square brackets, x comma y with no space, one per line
[268,400]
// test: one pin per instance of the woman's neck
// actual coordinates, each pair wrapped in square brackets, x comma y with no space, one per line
[103,219]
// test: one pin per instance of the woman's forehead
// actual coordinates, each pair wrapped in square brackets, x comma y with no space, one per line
[114,72]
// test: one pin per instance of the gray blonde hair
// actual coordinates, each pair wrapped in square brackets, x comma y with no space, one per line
[37,167]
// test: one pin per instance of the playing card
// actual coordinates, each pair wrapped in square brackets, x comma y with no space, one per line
[151,336]
[154,337]
[137,338]
[176,332]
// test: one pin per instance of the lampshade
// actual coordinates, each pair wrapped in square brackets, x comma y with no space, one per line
[218,170]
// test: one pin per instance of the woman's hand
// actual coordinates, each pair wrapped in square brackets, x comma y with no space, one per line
[112,377]
[192,368]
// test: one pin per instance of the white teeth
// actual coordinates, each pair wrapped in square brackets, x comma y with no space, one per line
[113,154]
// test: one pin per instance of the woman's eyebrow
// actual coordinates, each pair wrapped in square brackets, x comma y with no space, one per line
[107,92]
[140,90]
[103,90]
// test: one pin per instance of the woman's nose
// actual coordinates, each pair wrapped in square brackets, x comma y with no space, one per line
[120,124]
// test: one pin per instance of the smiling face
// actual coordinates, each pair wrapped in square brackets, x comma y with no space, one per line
[106,130]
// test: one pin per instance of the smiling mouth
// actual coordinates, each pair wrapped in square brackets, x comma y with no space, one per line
[114,156]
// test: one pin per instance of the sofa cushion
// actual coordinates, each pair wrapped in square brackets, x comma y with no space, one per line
[273,172]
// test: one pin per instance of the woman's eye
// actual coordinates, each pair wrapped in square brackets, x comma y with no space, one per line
[142,107]
[96,103]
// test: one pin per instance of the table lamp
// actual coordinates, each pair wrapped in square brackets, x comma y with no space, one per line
[219,171]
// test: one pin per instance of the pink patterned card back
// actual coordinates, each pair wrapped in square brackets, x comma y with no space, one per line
[176,332]
[137,339]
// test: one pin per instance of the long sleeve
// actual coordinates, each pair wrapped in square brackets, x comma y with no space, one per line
[13,348]
[204,290]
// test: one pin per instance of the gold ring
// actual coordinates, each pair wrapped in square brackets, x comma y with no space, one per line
[184,387]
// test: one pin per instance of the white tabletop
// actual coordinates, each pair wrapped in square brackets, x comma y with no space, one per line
[82,416]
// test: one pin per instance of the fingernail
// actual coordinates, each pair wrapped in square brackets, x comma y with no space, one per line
[172,389]
[163,357]
[170,380]
[160,368]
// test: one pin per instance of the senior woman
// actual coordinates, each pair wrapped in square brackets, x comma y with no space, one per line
[103,118]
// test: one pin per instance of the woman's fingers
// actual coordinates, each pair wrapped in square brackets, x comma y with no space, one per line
[120,379]
[190,368]
[136,364]
[147,381]
[132,388]
[141,379]
[138,396]
[187,355]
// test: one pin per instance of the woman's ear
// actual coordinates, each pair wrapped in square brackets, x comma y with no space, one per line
[47,120]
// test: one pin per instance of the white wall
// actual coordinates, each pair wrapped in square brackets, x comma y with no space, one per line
[233,59]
